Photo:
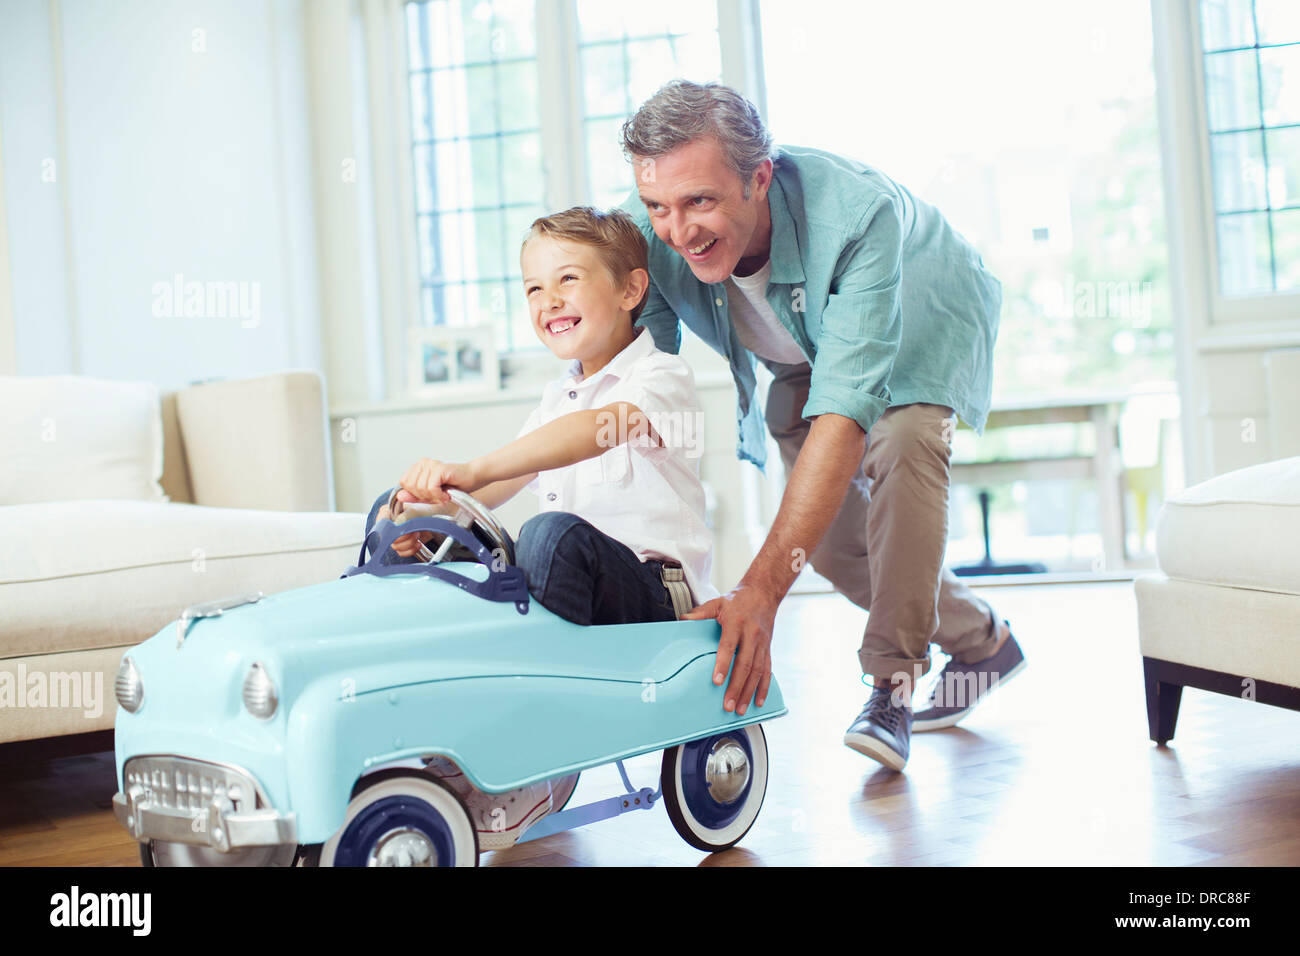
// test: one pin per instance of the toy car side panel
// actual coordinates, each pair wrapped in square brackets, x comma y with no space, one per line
[504,732]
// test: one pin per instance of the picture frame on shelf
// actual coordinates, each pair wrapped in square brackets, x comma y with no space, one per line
[452,361]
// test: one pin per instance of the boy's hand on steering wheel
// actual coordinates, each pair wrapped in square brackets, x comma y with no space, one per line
[408,545]
[429,479]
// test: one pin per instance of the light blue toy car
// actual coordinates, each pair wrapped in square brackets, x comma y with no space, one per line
[293,728]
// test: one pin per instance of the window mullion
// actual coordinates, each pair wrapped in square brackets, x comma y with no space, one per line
[740,45]
[560,96]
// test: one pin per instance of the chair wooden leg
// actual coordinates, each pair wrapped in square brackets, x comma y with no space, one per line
[1162,704]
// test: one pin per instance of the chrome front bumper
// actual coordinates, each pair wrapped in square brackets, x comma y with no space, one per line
[180,800]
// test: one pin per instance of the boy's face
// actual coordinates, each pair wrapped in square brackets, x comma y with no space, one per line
[579,310]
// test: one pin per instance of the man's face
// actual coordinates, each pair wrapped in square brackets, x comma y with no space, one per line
[697,206]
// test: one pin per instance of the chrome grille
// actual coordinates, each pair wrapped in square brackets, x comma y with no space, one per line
[182,784]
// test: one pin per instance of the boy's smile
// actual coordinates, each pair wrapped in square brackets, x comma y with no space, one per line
[578,309]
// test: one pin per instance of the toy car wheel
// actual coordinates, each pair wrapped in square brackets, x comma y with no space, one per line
[713,787]
[402,818]
[161,853]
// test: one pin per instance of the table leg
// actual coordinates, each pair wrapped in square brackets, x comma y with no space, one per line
[1109,489]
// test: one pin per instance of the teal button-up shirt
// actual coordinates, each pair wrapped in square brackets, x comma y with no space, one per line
[888,302]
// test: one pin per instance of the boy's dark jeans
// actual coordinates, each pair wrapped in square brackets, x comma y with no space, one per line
[578,572]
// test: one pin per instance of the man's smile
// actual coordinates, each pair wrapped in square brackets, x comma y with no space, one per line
[702,250]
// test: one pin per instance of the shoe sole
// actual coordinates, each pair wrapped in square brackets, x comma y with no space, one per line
[873,748]
[503,839]
[920,726]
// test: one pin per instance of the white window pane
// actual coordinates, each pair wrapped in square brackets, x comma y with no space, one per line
[1286,244]
[421,108]
[429,264]
[698,58]
[604,82]
[432,33]
[1245,261]
[1226,24]
[609,173]
[650,65]
[600,20]
[1284,168]
[517,223]
[521,168]
[1280,72]
[449,107]
[452,237]
[514,29]
[475,17]
[1279,21]
[478,183]
[1238,164]
[1232,90]
[515,95]
[689,16]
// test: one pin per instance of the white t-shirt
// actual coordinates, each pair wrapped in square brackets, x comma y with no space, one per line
[647,496]
[757,326]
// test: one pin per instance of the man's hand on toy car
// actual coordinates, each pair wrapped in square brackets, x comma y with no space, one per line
[746,614]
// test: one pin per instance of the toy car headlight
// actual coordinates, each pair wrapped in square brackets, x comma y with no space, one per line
[129,687]
[259,692]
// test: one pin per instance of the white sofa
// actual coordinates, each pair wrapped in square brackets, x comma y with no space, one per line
[1224,613]
[120,506]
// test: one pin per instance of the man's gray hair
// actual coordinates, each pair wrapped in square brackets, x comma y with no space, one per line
[682,112]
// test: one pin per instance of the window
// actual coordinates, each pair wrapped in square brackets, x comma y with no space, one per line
[1251,56]
[1034,134]
[477,160]
[485,151]
[626,55]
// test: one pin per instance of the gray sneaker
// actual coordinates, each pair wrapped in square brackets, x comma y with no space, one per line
[882,731]
[962,686]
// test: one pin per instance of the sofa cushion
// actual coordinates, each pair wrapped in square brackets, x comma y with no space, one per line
[1240,631]
[86,574]
[67,437]
[1240,529]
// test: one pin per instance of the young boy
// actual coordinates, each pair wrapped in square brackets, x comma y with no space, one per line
[622,504]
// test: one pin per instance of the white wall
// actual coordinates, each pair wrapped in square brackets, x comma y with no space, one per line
[180,140]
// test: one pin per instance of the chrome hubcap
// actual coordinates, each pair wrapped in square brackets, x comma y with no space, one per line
[726,771]
[403,847]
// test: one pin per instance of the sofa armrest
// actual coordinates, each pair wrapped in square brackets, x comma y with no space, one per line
[258,443]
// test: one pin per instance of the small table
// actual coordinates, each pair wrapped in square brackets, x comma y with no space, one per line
[1103,411]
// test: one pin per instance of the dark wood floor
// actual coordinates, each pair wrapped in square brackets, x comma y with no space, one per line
[1054,769]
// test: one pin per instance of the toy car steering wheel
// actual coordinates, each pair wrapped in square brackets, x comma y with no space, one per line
[470,513]
[474,528]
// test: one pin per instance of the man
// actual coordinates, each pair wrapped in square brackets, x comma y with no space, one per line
[877,321]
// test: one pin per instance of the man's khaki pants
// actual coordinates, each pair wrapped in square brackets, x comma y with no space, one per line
[884,550]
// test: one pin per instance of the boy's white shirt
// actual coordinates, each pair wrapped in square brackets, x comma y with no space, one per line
[646,496]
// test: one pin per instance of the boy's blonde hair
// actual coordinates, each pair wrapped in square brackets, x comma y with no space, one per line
[613,234]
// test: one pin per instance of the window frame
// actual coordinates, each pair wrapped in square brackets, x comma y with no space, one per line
[1237,311]
[563,147]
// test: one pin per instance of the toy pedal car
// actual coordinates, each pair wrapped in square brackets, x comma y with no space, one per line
[293,728]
